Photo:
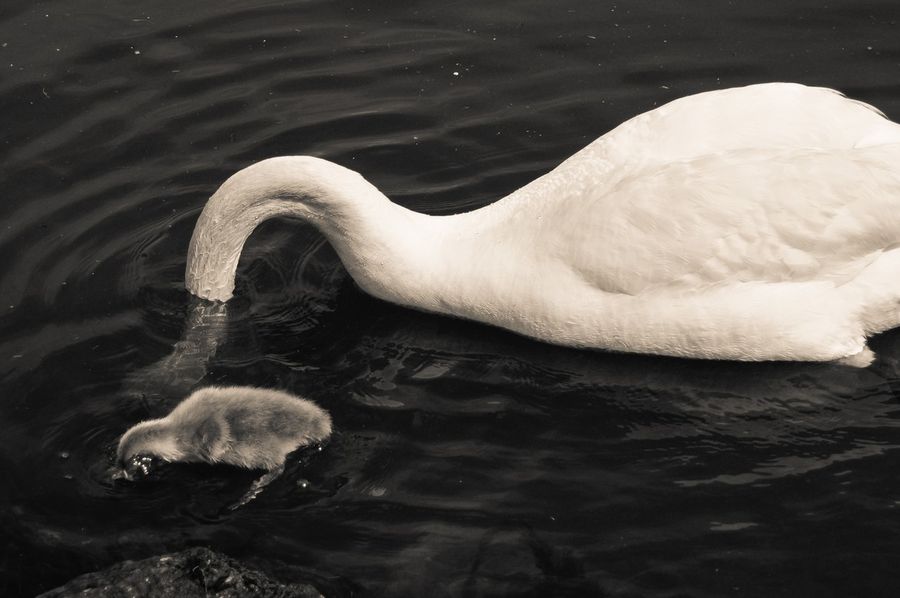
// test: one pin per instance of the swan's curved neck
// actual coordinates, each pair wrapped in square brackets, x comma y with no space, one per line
[377,240]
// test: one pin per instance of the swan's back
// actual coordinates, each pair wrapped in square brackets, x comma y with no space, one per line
[772,116]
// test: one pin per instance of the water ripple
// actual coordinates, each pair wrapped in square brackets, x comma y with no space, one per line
[466,458]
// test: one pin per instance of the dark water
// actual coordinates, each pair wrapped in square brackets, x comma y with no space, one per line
[468,461]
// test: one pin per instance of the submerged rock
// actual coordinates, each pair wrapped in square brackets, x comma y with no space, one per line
[197,572]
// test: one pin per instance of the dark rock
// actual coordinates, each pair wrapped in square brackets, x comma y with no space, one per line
[197,572]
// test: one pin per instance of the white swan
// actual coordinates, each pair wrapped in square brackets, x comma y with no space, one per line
[755,223]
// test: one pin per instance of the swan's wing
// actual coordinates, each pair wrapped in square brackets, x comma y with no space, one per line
[750,215]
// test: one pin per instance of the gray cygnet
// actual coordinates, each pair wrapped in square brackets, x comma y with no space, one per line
[254,428]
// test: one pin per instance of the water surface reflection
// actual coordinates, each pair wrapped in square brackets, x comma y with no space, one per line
[467,460]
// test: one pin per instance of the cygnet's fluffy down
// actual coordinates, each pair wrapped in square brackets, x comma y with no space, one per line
[248,427]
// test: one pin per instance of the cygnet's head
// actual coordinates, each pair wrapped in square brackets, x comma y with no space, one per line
[143,447]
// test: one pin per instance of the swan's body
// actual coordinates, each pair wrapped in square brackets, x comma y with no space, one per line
[248,427]
[756,223]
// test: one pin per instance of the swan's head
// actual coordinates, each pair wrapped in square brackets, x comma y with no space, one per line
[305,187]
[143,448]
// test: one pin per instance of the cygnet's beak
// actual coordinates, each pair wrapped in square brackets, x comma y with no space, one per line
[122,474]
[135,468]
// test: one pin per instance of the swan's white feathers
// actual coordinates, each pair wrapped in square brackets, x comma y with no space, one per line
[749,223]
[732,218]
[774,115]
